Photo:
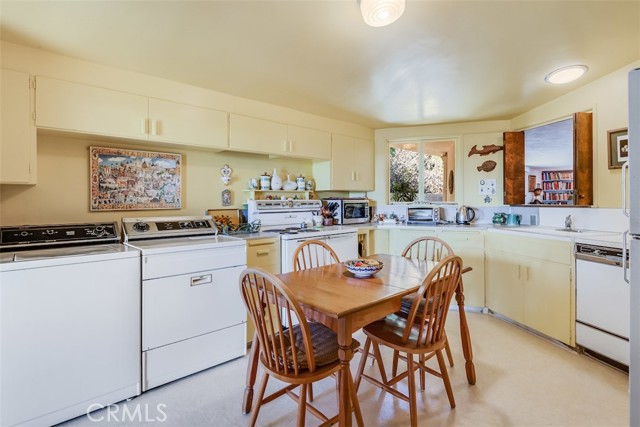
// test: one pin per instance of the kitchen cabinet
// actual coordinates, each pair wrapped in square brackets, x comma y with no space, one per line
[263,253]
[17,129]
[531,282]
[187,124]
[351,167]
[399,238]
[75,107]
[265,136]
[469,245]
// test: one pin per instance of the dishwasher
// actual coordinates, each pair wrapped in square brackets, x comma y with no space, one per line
[602,303]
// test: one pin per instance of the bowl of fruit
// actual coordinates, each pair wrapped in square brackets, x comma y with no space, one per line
[363,267]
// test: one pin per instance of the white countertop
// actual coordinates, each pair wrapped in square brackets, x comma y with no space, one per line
[595,237]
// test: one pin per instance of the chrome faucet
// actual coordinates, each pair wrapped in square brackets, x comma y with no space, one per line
[567,222]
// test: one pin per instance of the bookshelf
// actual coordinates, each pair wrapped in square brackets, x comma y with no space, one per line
[558,187]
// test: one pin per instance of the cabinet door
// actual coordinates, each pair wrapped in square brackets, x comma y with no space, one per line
[548,298]
[257,135]
[352,163]
[400,238]
[187,124]
[379,241]
[469,245]
[505,288]
[17,130]
[310,143]
[88,109]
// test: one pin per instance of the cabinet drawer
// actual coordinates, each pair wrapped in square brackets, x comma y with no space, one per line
[180,307]
[533,247]
[263,253]
[466,239]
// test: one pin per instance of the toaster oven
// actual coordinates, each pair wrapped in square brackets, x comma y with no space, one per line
[429,215]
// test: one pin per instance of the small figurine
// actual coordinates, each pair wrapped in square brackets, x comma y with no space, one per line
[537,196]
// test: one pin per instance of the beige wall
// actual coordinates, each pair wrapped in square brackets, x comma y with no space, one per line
[607,97]
[62,192]
[465,135]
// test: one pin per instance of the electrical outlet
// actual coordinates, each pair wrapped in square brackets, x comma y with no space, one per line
[487,187]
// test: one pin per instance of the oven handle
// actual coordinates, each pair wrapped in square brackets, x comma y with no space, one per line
[201,280]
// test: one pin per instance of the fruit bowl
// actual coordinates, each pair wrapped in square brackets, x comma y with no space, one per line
[363,267]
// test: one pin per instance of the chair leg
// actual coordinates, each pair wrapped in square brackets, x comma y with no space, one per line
[378,358]
[258,402]
[302,405]
[363,361]
[422,374]
[394,366]
[445,378]
[310,392]
[448,350]
[354,401]
[413,411]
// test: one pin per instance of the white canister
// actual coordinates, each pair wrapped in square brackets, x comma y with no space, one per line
[301,183]
[265,182]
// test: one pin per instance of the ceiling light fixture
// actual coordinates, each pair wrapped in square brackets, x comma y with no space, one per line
[378,13]
[566,74]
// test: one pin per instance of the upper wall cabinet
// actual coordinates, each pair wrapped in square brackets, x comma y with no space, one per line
[351,167]
[268,137]
[80,108]
[17,129]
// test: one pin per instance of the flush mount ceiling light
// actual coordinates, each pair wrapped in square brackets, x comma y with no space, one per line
[378,13]
[566,74]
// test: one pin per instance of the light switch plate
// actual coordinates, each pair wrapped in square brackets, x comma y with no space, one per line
[487,187]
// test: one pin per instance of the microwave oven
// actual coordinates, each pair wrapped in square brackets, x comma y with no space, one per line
[423,215]
[348,211]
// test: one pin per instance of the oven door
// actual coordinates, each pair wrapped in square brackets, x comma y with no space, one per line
[355,212]
[423,215]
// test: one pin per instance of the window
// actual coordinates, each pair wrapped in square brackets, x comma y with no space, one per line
[417,170]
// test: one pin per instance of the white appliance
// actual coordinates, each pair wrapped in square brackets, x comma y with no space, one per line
[69,322]
[292,219]
[193,316]
[602,302]
[634,231]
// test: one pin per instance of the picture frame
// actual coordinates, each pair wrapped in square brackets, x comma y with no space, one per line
[618,144]
[124,179]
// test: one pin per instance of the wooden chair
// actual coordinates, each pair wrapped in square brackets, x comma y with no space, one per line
[313,253]
[427,248]
[420,333]
[299,355]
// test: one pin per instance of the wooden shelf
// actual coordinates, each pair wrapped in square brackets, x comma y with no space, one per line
[277,194]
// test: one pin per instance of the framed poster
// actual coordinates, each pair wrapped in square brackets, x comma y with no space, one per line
[134,180]
[618,141]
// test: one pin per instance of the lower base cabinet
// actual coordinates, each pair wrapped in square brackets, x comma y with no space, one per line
[532,283]
[263,253]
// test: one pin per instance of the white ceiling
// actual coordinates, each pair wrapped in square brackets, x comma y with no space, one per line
[442,61]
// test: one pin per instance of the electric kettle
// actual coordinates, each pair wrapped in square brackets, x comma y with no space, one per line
[465,215]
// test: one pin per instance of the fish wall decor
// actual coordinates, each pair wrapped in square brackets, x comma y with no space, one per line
[486,150]
[487,166]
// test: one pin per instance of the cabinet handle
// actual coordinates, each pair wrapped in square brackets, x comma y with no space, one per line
[519,271]
[154,125]
[263,252]
[201,280]
[144,126]
[291,146]
[285,144]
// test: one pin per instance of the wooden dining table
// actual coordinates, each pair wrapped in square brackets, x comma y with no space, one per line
[336,298]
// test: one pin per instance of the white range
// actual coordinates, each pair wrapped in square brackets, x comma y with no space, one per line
[193,316]
[293,219]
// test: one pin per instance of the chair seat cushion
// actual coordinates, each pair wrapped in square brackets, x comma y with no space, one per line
[407,302]
[324,342]
[390,330]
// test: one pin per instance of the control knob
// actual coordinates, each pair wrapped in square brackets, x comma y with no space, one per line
[141,227]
